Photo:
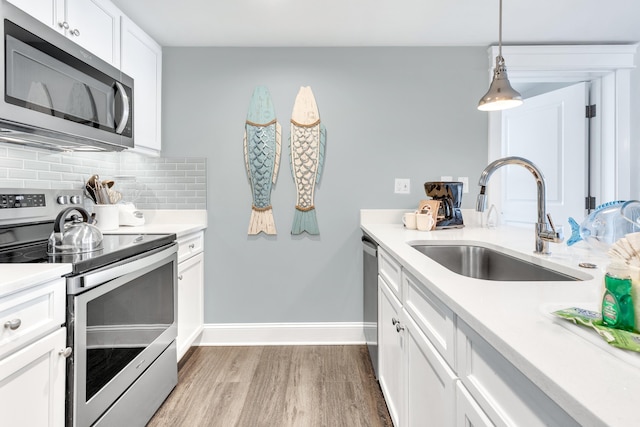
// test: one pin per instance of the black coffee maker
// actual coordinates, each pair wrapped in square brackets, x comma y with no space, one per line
[450,196]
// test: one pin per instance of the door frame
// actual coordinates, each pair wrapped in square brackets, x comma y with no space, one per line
[608,68]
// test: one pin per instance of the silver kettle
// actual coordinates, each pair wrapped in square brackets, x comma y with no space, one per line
[75,236]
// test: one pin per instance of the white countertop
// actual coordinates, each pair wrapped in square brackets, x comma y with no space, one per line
[595,383]
[17,277]
[165,221]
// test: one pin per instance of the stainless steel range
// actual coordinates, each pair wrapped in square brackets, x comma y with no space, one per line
[121,306]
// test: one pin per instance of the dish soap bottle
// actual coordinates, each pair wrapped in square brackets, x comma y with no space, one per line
[617,305]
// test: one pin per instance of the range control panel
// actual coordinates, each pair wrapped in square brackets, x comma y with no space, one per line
[28,205]
[22,201]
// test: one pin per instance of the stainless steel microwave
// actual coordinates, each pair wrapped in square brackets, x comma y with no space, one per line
[57,95]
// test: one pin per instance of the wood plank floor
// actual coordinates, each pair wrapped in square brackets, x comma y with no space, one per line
[275,386]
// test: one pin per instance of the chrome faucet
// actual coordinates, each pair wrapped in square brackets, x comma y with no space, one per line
[545,232]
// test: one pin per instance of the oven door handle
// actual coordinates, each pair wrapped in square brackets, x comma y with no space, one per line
[110,273]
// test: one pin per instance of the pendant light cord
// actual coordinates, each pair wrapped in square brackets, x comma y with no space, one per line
[500,32]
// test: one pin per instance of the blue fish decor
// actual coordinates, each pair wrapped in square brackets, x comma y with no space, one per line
[307,147]
[262,142]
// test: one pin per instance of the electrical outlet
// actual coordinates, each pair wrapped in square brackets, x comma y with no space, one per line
[403,186]
[465,183]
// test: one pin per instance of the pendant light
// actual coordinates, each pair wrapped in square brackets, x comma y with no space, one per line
[500,95]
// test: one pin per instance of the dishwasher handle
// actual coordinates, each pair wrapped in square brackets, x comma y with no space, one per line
[369,246]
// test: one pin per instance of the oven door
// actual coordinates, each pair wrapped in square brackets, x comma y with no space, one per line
[118,328]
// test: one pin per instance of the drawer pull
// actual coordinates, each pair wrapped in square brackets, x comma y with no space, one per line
[399,327]
[13,324]
[191,246]
[65,352]
[180,277]
[394,321]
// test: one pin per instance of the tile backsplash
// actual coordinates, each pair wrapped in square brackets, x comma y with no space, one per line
[149,182]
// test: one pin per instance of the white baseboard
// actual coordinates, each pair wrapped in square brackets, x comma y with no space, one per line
[331,333]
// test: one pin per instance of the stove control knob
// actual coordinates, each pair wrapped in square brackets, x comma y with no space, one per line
[63,200]
[75,199]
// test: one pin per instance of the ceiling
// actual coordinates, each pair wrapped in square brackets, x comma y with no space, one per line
[383,22]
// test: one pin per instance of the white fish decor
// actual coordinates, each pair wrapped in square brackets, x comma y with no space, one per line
[307,147]
[262,142]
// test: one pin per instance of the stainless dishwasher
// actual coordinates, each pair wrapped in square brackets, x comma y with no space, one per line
[370,297]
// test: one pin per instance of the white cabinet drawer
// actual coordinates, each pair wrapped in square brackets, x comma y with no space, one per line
[436,320]
[31,314]
[506,396]
[190,245]
[390,270]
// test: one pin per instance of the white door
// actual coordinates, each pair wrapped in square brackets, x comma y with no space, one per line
[551,131]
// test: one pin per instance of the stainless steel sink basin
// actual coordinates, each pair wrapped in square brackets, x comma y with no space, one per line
[479,262]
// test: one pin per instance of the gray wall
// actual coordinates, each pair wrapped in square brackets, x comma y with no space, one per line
[389,112]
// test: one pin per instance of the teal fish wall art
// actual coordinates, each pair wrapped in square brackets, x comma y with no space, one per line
[262,142]
[307,148]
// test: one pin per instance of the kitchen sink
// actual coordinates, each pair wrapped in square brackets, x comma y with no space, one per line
[479,262]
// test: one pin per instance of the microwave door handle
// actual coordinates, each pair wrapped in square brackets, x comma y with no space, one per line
[125,108]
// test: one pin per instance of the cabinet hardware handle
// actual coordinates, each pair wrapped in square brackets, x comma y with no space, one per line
[75,32]
[180,277]
[191,246]
[13,324]
[399,327]
[64,25]
[394,321]
[65,352]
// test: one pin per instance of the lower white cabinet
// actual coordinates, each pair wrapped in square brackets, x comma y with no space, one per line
[417,383]
[190,302]
[430,389]
[468,412]
[190,290]
[435,370]
[506,396]
[32,383]
[33,355]
[390,351]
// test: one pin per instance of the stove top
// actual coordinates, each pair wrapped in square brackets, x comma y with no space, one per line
[115,247]
[27,220]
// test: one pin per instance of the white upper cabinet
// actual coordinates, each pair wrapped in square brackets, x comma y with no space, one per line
[142,60]
[93,24]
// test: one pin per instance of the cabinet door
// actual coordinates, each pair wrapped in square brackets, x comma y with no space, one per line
[506,396]
[142,60]
[430,382]
[42,10]
[94,25]
[32,384]
[390,351]
[468,412]
[190,302]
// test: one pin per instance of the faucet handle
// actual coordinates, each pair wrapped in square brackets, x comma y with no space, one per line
[553,235]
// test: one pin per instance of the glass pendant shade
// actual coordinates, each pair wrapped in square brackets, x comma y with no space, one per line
[500,95]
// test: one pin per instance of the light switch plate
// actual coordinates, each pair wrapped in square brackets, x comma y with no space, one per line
[465,183]
[403,186]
